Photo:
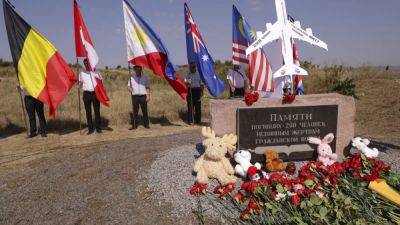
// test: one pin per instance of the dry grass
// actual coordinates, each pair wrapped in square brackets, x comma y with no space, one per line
[165,105]
[378,107]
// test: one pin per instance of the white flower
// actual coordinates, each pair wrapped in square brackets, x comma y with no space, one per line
[320,194]
[279,197]
[291,193]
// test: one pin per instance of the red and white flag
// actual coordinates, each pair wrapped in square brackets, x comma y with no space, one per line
[85,48]
[260,72]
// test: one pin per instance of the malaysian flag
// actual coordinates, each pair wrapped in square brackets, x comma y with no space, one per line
[260,74]
[197,52]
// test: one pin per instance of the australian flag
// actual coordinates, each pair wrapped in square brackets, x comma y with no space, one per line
[197,53]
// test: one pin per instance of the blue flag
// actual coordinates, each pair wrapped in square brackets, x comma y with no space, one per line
[197,53]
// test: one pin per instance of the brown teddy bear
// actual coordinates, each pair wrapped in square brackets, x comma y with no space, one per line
[273,163]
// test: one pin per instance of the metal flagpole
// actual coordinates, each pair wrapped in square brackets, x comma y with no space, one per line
[79,97]
[19,89]
[191,101]
[131,95]
[22,105]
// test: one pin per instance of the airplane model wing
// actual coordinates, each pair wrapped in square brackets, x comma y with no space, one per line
[307,36]
[268,36]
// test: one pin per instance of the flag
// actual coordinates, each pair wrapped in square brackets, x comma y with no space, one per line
[198,53]
[260,73]
[298,81]
[84,48]
[146,49]
[41,70]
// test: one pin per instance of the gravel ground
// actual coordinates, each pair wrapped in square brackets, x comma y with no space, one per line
[179,162]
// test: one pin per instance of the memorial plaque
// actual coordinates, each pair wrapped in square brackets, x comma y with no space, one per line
[286,129]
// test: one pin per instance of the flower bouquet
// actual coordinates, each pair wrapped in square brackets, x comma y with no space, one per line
[335,194]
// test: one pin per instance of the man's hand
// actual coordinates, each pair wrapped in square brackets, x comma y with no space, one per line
[232,89]
[130,89]
[148,98]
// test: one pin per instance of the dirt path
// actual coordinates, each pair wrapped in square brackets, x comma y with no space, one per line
[95,184]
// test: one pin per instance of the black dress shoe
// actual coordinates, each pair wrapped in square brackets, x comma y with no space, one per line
[132,128]
[89,132]
[99,131]
[32,135]
[147,127]
[43,134]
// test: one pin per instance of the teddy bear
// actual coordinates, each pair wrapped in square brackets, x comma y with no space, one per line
[213,163]
[242,158]
[325,154]
[272,161]
[362,145]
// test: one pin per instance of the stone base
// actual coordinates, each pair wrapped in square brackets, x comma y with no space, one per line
[223,114]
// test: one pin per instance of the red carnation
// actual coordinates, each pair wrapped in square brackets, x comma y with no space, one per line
[288,98]
[251,98]
[239,197]
[295,199]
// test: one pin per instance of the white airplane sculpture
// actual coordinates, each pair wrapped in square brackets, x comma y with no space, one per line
[285,30]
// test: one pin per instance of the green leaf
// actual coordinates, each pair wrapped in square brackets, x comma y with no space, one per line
[323,212]
[315,199]
[279,188]
[347,201]
[309,183]
[303,205]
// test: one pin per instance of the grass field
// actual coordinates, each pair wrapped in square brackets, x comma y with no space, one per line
[378,107]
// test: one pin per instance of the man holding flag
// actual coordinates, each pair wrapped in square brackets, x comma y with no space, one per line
[94,92]
[260,74]
[41,71]
[146,49]
[197,53]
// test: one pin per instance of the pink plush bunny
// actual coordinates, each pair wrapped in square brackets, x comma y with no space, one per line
[325,154]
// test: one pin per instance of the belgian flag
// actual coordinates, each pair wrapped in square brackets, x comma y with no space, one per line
[42,72]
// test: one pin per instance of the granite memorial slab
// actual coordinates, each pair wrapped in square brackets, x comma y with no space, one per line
[265,125]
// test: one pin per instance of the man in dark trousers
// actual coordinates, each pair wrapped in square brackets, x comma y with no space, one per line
[237,81]
[87,83]
[139,87]
[196,90]
[34,106]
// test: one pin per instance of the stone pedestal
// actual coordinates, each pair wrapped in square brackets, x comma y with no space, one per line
[223,114]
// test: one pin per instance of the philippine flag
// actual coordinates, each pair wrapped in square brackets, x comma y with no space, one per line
[146,49]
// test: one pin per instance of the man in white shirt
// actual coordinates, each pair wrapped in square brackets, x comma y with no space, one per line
[34,106]
[237,81]
[87,81]
[138,86]
[196,90]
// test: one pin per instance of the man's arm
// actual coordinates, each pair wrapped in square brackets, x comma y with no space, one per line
[147,90]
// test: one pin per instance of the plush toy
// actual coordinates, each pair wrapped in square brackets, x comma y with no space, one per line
[325,154]
[243,158]
[213,163]
[254,173]
[273,163]
[362,145]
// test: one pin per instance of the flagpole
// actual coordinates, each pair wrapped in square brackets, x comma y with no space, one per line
[79,97]
[22,105]
[191,101]
[131,95]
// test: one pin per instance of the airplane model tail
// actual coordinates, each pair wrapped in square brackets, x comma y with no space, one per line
[290,69]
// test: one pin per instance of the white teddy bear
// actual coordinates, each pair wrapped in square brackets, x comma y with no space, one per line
[243,158]
[362,145]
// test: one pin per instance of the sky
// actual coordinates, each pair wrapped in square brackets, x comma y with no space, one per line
[357,32]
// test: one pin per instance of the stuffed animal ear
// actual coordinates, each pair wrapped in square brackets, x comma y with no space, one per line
[208,132]
[366,141]
[328,138]
[230,139]
[314,140]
